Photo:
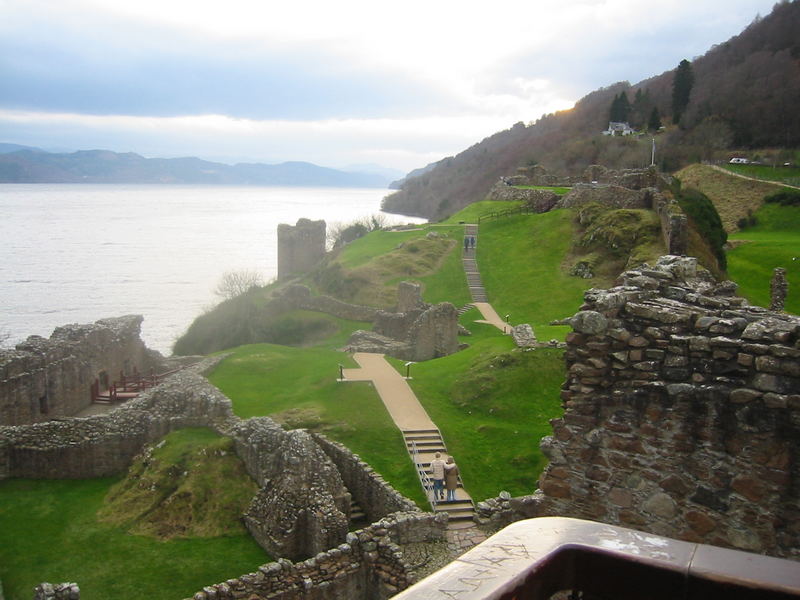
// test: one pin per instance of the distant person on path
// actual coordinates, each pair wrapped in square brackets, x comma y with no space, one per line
[437,472]
[451,478]
[466,243]
[472,242]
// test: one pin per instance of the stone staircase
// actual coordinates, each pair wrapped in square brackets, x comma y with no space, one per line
[474,282]
[357,515]
[422,445]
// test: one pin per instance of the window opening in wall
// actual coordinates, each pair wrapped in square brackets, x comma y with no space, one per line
[44,405]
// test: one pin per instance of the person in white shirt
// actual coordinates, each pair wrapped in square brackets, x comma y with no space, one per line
[437,473]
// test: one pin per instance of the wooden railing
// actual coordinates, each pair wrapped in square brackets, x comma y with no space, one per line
[127,386]
[522,209]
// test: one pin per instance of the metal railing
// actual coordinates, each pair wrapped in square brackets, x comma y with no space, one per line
[537,558]
[424,479]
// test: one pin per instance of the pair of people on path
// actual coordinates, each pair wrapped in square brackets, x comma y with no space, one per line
[469,242]
[445,476]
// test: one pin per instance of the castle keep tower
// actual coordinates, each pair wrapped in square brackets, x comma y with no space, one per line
[300,247]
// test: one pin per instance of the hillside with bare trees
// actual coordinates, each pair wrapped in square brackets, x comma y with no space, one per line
[743,95]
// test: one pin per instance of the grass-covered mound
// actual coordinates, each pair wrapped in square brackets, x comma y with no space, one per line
[367,270]
[50,531]
[522,265]
[191,484]
[773,242]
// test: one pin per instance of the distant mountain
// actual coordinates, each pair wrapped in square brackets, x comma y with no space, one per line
[398,184]
[6,148]
[374,169]
[32,165]
[745,96]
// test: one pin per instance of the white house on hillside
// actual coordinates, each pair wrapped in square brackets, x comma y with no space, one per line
[615,128]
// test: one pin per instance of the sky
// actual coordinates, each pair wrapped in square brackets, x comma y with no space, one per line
[336,82]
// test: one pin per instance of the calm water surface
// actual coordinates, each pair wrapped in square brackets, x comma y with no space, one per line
[79,253]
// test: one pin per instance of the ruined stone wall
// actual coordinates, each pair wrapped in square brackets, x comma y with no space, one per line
[681,415]
[369,564]
[300,247]
[540,200]
[104,445]
[377,498]
[435,333]
[299,296]
[303,506]
[409,296]
[613,196]
[46,378]
[674,224]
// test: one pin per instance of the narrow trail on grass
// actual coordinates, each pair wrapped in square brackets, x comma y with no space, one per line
[423,439]
[732,174]
[479,298]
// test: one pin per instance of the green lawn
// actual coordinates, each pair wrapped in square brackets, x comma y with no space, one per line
[774,242]
[298,387]
[520,260]
[493,404]
[560,191]
[789,175]
[49,532]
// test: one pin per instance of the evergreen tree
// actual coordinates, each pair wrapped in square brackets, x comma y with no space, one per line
[654,123]
[620,108]
[681,89]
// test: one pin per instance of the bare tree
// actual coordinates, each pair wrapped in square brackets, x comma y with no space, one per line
[236,283]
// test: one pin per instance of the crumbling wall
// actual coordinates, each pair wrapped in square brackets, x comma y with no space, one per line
[299,296]
[613,196]
[681,415]
[368,488]
[303,506]
[300,247]
[105,445]
[674,224]
[540,201]
[44,379]
[368,564]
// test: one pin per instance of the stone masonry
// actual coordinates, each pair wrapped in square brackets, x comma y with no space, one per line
[300,247]
[46,378]
[681,416]
[421,332]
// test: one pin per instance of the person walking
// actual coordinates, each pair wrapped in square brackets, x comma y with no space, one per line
[437,473]
[451,478]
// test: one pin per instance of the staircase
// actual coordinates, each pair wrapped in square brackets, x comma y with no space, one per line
[422,445]
[474,282]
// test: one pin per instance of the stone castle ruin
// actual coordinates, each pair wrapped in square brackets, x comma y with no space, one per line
[628,188]
[417,331]
[681,416]
[300,247]
[302,508]
[43,379]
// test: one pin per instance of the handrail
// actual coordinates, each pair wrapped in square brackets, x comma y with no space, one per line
[535,558]
[425,481]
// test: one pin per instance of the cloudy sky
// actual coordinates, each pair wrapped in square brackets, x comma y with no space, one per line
[335,82]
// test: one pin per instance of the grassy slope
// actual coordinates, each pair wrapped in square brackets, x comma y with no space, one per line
[774,242]
[49,531]
[299,388]
[733,197]
[493,406]
[521,262]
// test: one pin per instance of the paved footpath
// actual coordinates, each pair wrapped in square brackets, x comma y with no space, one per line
[396,394]
[415,424]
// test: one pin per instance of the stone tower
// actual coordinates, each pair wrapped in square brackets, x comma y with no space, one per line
[300,247]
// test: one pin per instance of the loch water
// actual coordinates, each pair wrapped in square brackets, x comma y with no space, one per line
[73,253]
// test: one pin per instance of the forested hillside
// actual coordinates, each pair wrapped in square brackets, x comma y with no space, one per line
[742,94]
